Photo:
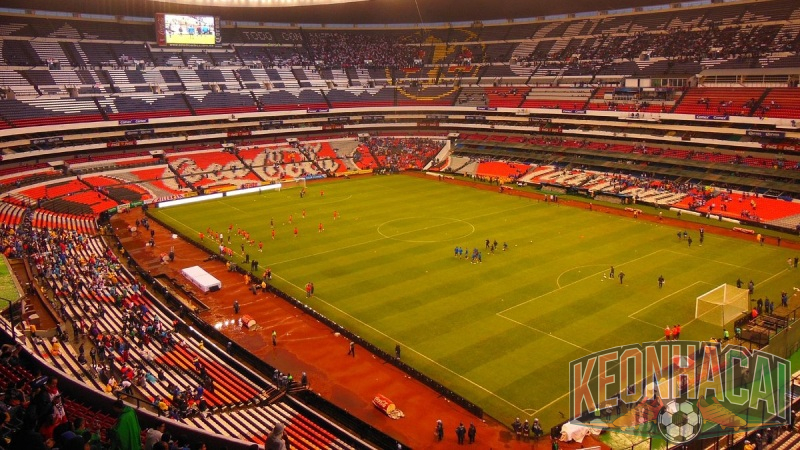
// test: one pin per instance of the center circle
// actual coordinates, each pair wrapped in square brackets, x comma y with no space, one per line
[425,229]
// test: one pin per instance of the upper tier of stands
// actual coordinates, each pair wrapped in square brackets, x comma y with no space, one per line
[81,71]
[758,34]
[45,110]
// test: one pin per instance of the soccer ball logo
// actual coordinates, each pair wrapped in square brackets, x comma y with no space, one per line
[680,421]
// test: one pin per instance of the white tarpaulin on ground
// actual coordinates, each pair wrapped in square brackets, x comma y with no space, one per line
[572,432]
[201,278]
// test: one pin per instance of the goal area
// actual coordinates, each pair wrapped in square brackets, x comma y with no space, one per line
[291,183]
[722,304]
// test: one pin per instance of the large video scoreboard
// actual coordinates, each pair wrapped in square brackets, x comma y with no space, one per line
[180,29]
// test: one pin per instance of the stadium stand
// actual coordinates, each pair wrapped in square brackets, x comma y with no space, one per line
[65,70]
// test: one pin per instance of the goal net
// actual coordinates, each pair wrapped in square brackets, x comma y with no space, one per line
[291,183]
[722,304]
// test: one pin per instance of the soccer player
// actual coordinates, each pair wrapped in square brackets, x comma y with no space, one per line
[295,231]
[660,281]
[321,228]
[260,247]
[273,234]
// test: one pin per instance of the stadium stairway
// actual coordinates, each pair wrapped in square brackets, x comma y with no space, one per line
[188,103]
[102,110]
[322,92]
[786,441]
[760,101]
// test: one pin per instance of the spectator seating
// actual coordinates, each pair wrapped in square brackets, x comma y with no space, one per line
[117,190]
[159,181]
[501,97]
[496,72]
[11,214]
[16,175]
[127,80]
[84,223]
[472,96]
[559,98]
[401,153]
[40,112]
[281,77]
[104,299]
[326,157]
[285,100]
[80,203]
[427,95]
[505,171]
[360,97]
[212,169]
[342,49]
[364,159]
[17,83]
[221,102]
[138,106]
[741,205]
[715,101]
[54,190]
[781,103]
[252,80]
[279,161]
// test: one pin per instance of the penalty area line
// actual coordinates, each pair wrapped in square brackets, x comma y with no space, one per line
[544,333]
[630,316]
[574,282]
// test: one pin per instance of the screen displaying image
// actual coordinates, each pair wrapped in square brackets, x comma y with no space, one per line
[189,30]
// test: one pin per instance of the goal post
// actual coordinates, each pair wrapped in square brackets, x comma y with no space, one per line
[722,304]
[292,183]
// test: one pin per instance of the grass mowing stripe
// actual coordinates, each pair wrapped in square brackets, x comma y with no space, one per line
[475,327]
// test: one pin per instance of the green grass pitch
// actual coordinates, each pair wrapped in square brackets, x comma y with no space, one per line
[7,288]
[501,333]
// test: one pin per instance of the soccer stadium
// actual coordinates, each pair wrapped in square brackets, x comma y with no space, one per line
[394,224]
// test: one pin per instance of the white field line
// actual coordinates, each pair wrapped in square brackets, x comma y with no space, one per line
[574,282]
[645,322]
[544,333]
[630,316]
[558,280]
[763,281]
[716,261]
[432,361]
[385,237]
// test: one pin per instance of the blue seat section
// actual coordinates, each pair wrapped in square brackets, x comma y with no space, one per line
[45,111]
[145,106]
[361,97]
[221,102]
[286,100]
[19,53]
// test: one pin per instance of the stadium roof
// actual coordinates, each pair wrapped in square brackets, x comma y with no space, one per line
[360,12]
